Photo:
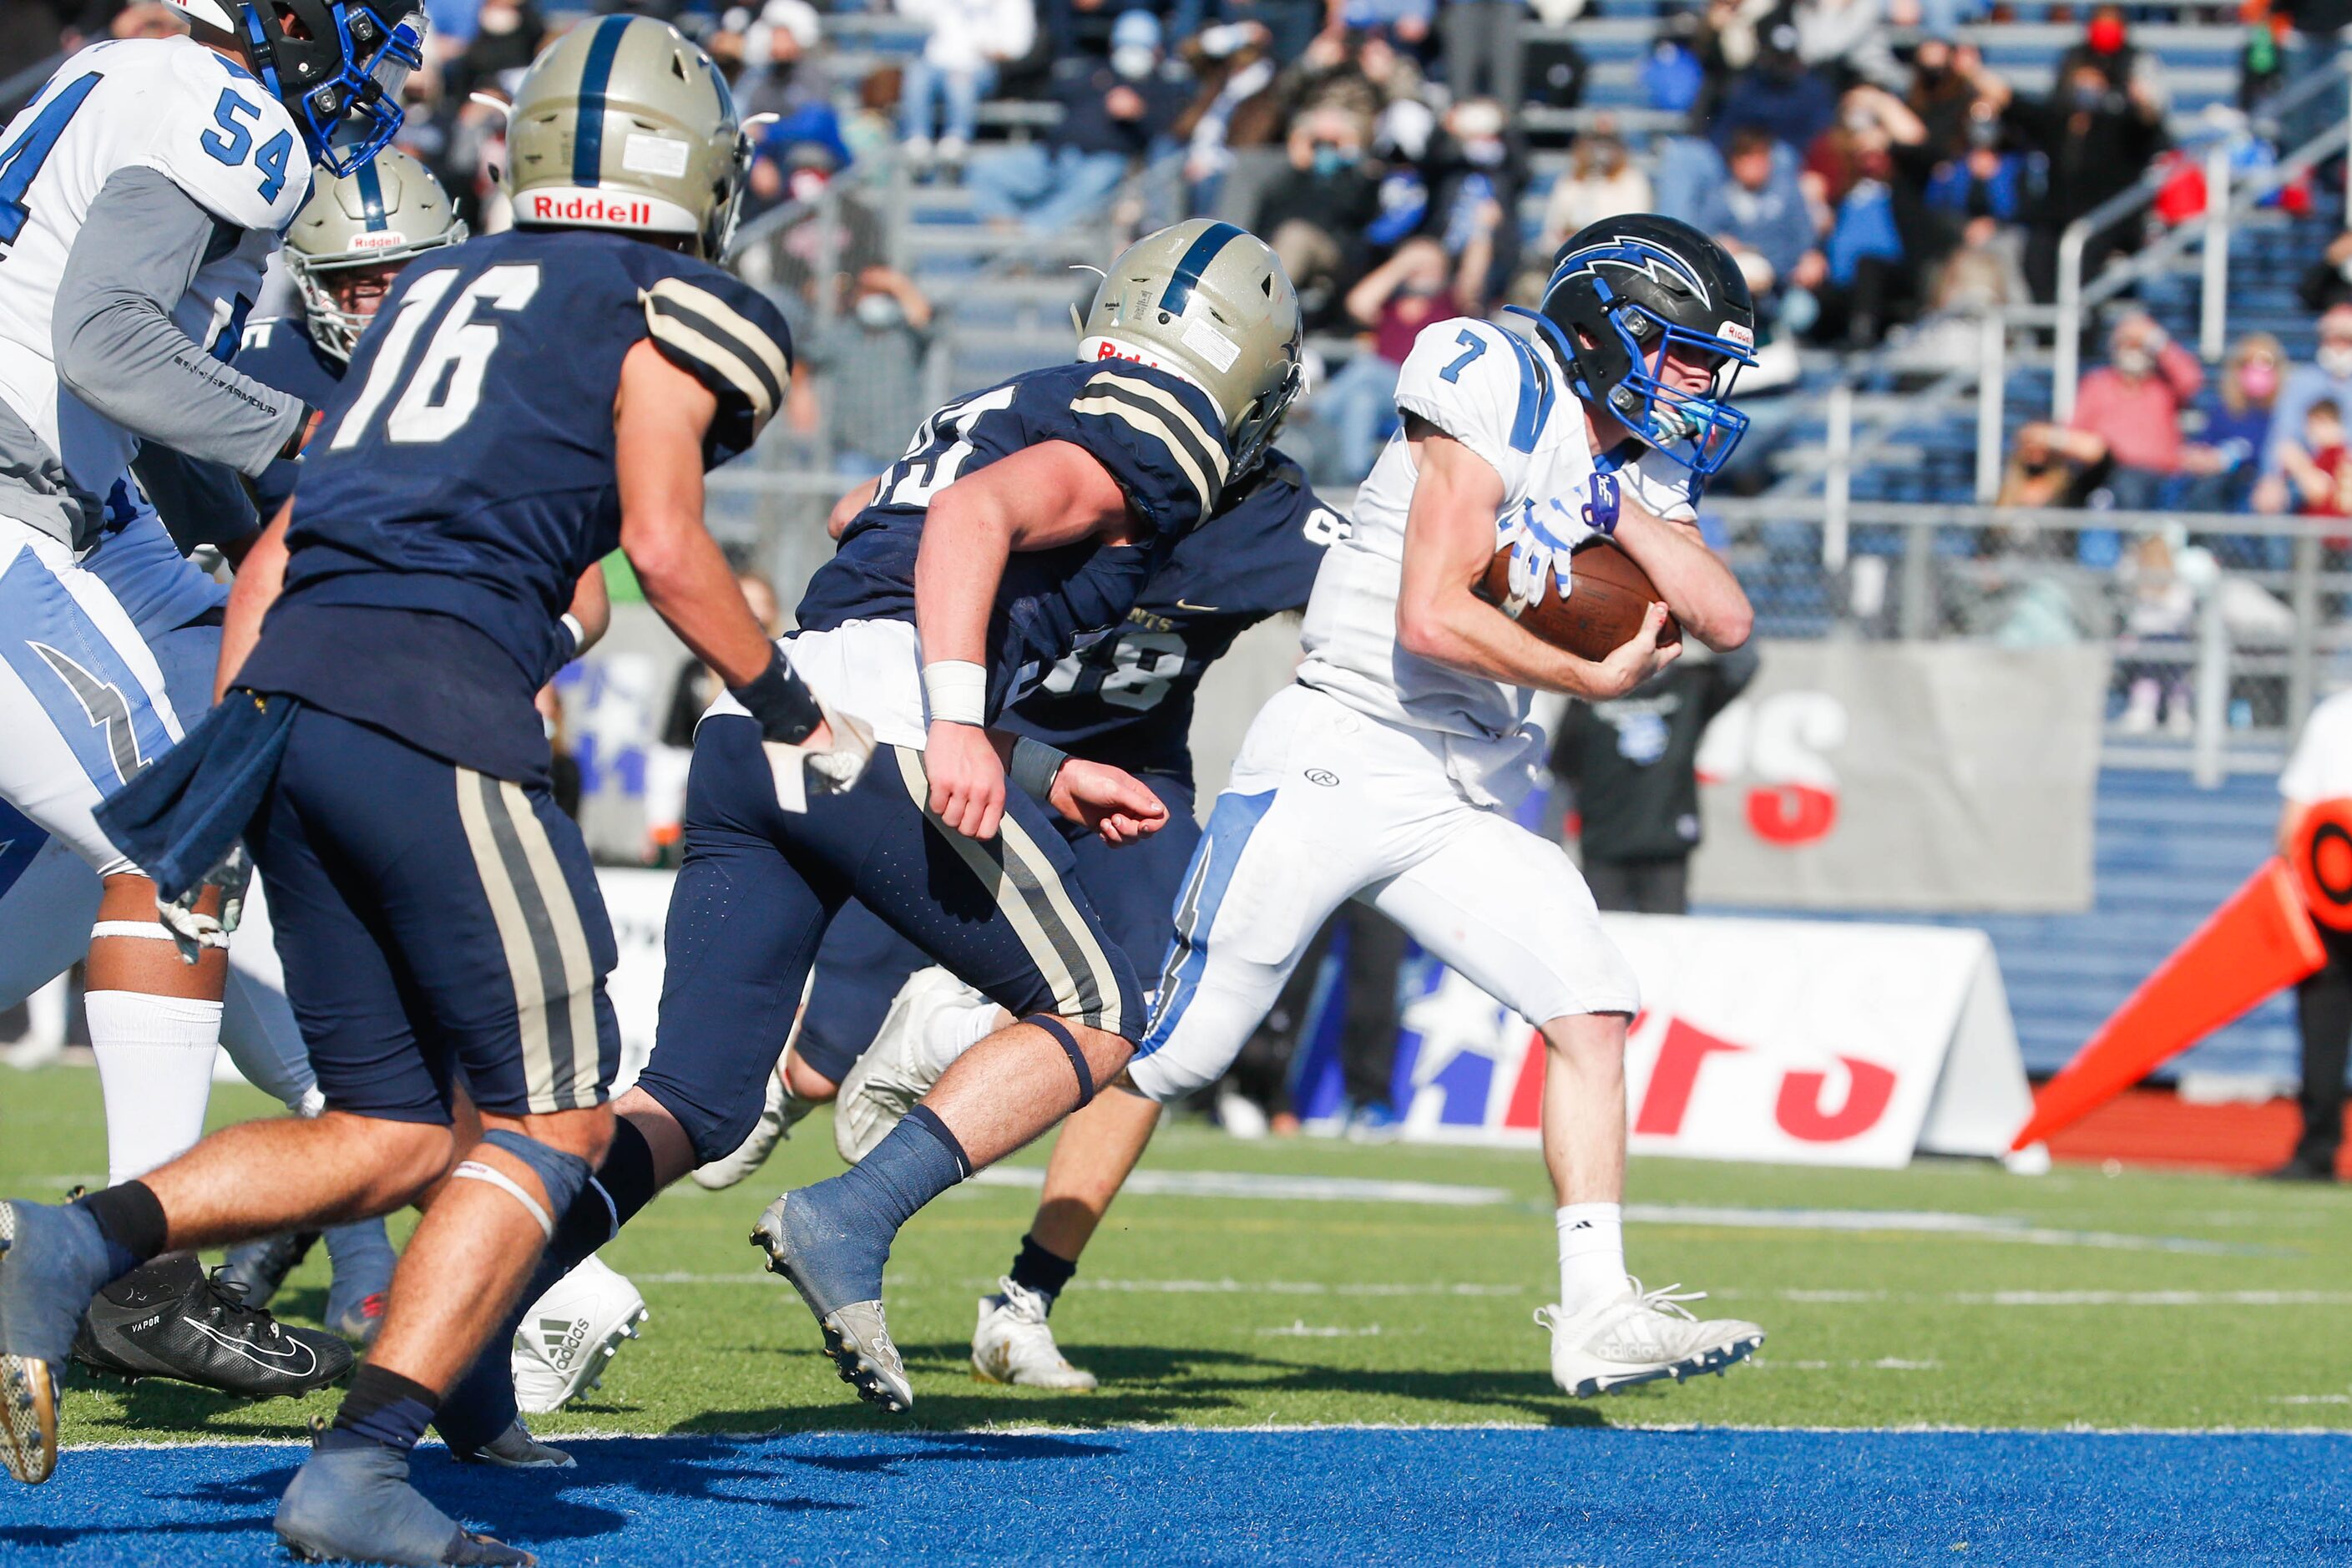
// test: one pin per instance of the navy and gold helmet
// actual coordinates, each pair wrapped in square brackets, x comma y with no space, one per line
[1625,295]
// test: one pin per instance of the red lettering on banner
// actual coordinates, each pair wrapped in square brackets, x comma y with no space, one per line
[1790,814]
[1684,1051]
[1526,1110]
[1798,1109]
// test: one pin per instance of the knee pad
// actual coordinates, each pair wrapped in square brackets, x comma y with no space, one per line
[563,1175]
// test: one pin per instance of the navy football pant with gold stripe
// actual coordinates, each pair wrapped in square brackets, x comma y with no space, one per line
[433,920]
[760,884]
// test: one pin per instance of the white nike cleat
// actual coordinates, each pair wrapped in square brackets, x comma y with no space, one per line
[1640,1337]
[570,1336]
[782,1112]
[896,1070]
[1013,1343]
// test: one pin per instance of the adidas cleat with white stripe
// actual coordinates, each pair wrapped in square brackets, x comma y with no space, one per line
[568,1338]
[1642,1336]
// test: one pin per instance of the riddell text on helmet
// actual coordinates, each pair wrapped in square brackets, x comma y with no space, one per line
[590,209]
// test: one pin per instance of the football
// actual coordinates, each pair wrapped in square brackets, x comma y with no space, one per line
[1608,596]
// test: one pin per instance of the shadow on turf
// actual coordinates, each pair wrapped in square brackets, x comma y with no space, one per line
[1145,1386]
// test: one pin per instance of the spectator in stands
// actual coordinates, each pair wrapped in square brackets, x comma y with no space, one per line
[1632,763]
[2328,283]
[1600,181]
[1941,94]
[2317,466]
[858,378]
[2159,613]
[1475,172]
[2106,47]
[2320,771]
[506,35]
[1483,53]
[836,236]
[1983,190]
[1760,210]
[1113,112]
[1845,39]
[775,55]
[2235,428]
[1777,95]
[2328,377]
[2129,410]
[1419,284]
[1295,24]
[2097,140]
[1236,68]
[968,40]
[1315,213]
[1869,170]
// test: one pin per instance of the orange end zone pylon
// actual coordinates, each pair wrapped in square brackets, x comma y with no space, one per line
[2258,943]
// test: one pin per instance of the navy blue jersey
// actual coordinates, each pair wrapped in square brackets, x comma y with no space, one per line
[464,479]
[278,352]
[1127,699]
[1158,436]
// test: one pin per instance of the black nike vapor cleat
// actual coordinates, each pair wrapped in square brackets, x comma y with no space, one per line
[170,1318]
[261,1267]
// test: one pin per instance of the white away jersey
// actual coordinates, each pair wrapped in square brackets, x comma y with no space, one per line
[167,104]
[1497,393]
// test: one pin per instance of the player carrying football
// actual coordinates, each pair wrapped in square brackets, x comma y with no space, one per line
[1387,773]
[528,402]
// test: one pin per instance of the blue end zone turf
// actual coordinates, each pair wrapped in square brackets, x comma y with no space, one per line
[1534,1496]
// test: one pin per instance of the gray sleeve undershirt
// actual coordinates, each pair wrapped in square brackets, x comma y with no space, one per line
[117,349]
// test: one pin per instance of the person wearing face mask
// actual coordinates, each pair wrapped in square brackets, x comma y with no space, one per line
[2099,139]
[1316,211]
[2234,432]
[2328,378]
[1475,172]
[2132,406]
[1113,112]
[857,376]
[1939,93]
[1601,182]
[1412,289]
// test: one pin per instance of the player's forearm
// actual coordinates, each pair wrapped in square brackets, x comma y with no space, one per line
[259,578]
[118,350]
[1695,583]
[687,581]
[1462,631]
[592,610]
[958,568]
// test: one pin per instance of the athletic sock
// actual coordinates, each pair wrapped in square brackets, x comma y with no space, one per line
[383,1408]
[1592,1255]
[853,1218]
[955,1029]
[156,1065]
[1043,1272]
[360,1249]
[130,1219]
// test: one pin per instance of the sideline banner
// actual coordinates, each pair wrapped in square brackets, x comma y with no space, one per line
[1930,776]
[1795,1041]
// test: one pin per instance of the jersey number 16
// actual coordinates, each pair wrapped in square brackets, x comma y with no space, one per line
[437,400]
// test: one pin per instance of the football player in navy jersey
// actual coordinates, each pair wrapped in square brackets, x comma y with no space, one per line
[527,403]
[1022,524]
[880,1025]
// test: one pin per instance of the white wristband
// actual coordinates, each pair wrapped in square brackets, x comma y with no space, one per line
[956,690]
[578,633]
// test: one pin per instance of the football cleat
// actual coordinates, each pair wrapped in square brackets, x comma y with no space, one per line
[351,1502]
[781,1114]
[897,1069]
[1640,1337]
[1014,1344]
[257,1268]
[569,1335]
[170,1318]
[36,1309]
[856,1333]
[517,1449]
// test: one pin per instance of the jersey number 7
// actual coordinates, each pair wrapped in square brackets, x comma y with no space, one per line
[459,354]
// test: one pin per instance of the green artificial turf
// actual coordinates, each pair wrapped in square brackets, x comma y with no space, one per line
[1231,1310]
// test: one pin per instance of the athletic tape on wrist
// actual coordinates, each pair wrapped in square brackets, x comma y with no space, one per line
[578,633]
[1035,765]
[475,1171]
[1069,1044]
[956,690]
[153,931]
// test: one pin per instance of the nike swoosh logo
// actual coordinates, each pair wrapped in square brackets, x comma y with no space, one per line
[1196,609]
[276,1360]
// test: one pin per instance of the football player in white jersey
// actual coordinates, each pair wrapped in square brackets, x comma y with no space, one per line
[1387,772]
[141,191]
